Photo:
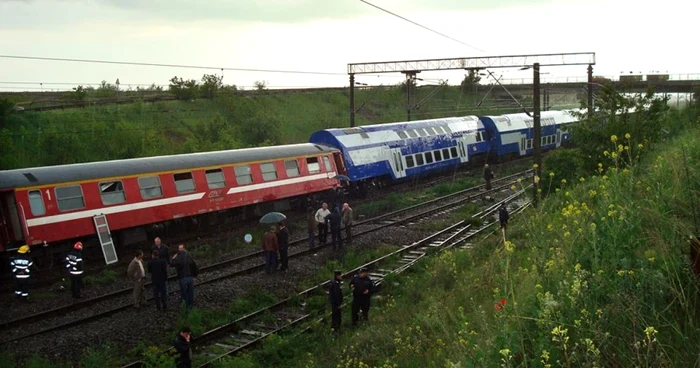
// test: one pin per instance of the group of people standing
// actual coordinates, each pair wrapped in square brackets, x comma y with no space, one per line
[362,288]
[324,219]
[157,266]
[22,266]
[276,241]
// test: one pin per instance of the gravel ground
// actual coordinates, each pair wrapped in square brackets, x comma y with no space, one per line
[124,329]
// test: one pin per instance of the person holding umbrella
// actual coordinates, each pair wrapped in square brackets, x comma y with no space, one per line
[270,246]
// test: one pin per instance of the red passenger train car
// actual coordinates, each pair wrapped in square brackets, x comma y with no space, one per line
[121,198]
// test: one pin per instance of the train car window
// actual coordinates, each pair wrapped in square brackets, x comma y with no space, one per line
[529,143]
[150,187]
[431,131]
[327,163]
[419,159]
[243,175]
[453,150]
[428,157]
[313,165]
[292,168]
[447,129]
[412,133]
[422,132]
[409,161]
[70,198]
[438,156]
[446,153]
[269,171]
[112,192]
[215,178]
[184,182]
[36,203]
[402,134]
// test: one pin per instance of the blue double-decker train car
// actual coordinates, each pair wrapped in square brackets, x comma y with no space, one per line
[400,151]
[512,134]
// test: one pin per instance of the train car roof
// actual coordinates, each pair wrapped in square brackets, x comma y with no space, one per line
[368,135]
[520,121]
[45,175]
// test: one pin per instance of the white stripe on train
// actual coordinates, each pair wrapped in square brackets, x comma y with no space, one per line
[165,201]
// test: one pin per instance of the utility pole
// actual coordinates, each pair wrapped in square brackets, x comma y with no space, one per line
[410,80]
[537,139]
[352,100]
[590,90]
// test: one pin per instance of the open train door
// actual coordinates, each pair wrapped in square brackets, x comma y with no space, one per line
[10,226]
[339,164]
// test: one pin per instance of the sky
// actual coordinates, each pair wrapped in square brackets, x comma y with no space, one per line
[325,35]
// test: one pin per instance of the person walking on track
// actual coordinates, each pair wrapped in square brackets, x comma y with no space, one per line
[347,221]
[158,268]
[283,242]
[362,288]
[321,224]
[488,175]
[335,294]
[74,263]
[186,270]
[20,265]
[137,275]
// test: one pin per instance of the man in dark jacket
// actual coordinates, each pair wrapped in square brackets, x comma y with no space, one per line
[362,288]
[503,216]
[283,242]
[488,175]
[74,263]
[186,269]
[158,268]
[163,250]
[334,220]
[335,294]
[182,345]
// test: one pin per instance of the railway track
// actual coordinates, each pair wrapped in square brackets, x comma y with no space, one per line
[249,330]
[88,310]
[57,273]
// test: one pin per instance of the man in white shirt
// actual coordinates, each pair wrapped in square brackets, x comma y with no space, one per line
[321,223]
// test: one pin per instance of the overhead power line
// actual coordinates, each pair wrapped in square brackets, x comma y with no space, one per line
[422,26]
[165,65]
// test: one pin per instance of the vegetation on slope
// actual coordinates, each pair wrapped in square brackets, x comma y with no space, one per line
[226,120]
[596,276]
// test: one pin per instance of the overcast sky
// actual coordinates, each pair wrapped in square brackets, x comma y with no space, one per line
[326,35]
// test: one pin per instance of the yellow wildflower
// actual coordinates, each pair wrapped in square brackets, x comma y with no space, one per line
[613,138]
[628,136]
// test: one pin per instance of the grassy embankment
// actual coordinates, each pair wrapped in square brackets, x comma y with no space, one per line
[140,129]
[596,276]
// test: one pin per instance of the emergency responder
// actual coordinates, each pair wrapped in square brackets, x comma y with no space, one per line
[335,294]
[20,269]
[362,288]
[74,263]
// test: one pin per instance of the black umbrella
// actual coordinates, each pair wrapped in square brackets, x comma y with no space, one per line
[342,178]
[273,218]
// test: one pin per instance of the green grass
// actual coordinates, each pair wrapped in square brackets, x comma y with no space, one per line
[110,132]
[595,276]
[106,277]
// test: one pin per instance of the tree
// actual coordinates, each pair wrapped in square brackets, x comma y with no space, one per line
[183,89]
[6,106]
[79,93]
[470,80]
[261,85]
[106,90]
[211,84]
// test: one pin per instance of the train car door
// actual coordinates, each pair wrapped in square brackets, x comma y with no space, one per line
[340,166]
[523,144]
[396,163]
[558,138]
[462,147]
[11,224]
